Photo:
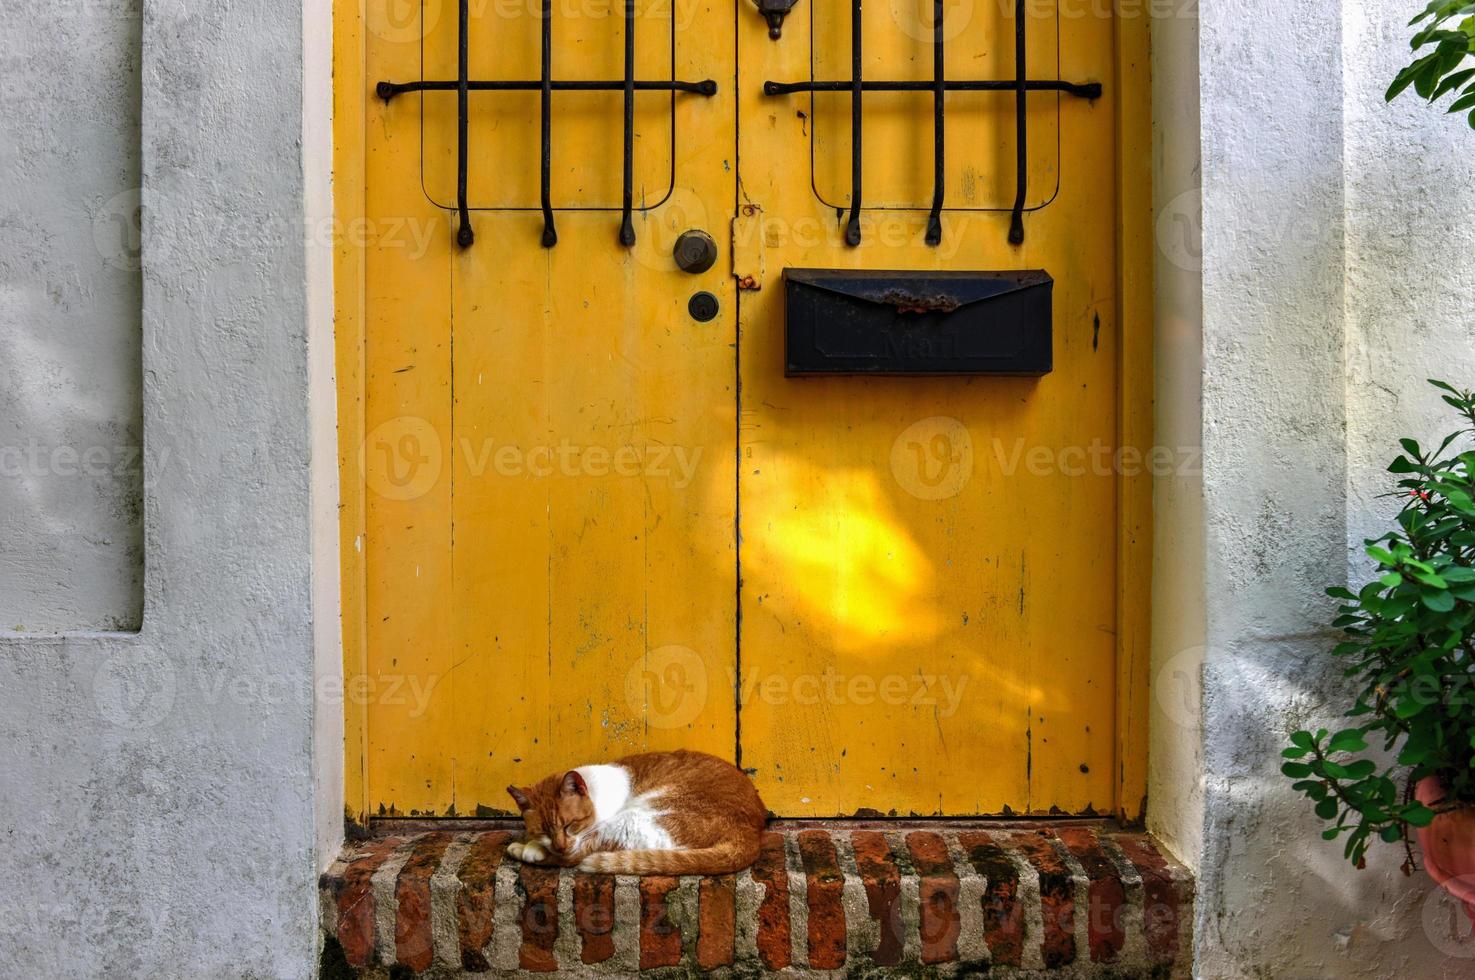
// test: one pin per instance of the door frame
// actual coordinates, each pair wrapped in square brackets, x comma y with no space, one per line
[1135,259]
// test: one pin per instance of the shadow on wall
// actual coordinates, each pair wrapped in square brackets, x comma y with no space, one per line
[71,431]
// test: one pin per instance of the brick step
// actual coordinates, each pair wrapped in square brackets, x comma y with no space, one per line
[1062,900]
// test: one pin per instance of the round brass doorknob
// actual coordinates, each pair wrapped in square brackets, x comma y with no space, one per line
[695,251]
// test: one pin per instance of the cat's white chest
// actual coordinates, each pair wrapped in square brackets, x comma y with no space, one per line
[636,827]
[623,821]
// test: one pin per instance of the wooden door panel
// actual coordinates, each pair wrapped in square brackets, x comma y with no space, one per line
[928,609]
[594,525]
[574,554]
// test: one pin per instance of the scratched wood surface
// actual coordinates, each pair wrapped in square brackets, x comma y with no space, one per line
[562,504]
[562,589]
[929,584]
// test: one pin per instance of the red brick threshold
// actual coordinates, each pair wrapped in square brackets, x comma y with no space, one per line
[835,899]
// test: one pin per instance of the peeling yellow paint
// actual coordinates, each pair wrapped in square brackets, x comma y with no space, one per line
[546,458]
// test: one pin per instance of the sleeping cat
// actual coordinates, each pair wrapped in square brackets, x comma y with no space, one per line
[671,813]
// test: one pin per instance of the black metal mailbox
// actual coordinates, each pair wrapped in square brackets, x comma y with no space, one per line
[846,321]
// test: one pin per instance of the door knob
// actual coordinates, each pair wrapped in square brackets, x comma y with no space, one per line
[695,251]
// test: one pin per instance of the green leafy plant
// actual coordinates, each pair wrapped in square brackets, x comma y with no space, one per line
[1450,32]
[1409,643]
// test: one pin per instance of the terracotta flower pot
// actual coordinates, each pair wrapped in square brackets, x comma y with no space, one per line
[1449,845]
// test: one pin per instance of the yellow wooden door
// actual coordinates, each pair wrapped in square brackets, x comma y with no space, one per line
[582,521]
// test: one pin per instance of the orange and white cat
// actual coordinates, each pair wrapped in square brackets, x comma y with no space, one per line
[672,813]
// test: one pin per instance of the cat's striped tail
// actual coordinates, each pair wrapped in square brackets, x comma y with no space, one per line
[721,859]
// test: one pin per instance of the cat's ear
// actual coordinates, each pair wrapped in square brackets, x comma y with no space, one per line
[522,798]
[573,784]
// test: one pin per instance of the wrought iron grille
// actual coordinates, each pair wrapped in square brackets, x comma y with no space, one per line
[463,85]
[1021,85]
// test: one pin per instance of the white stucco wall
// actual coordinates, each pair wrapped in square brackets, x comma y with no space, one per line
[1334,229]
[170,795]
[1410,264]
[71,473]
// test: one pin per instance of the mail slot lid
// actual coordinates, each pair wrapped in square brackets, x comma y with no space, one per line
[848,321]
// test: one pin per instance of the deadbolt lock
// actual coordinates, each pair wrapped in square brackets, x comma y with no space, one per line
[703,307]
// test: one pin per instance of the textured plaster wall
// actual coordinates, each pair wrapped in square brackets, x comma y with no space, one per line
[1323,304]
[322,396]
[71,477]
[1410,265]
[161,806]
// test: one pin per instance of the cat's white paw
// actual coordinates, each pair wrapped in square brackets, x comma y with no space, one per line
[527,851]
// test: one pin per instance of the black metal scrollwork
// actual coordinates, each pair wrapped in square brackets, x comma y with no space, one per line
[546,85]
[1021,85]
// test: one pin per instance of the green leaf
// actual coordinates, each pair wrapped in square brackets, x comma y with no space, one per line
[1327,809]
[1312,788]
[1392,834]
[1407,707]
[1382,556]
[1351,740]
[1296,770]
[1402,81]
[1453,81]
[1440,602]
[1418,815]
